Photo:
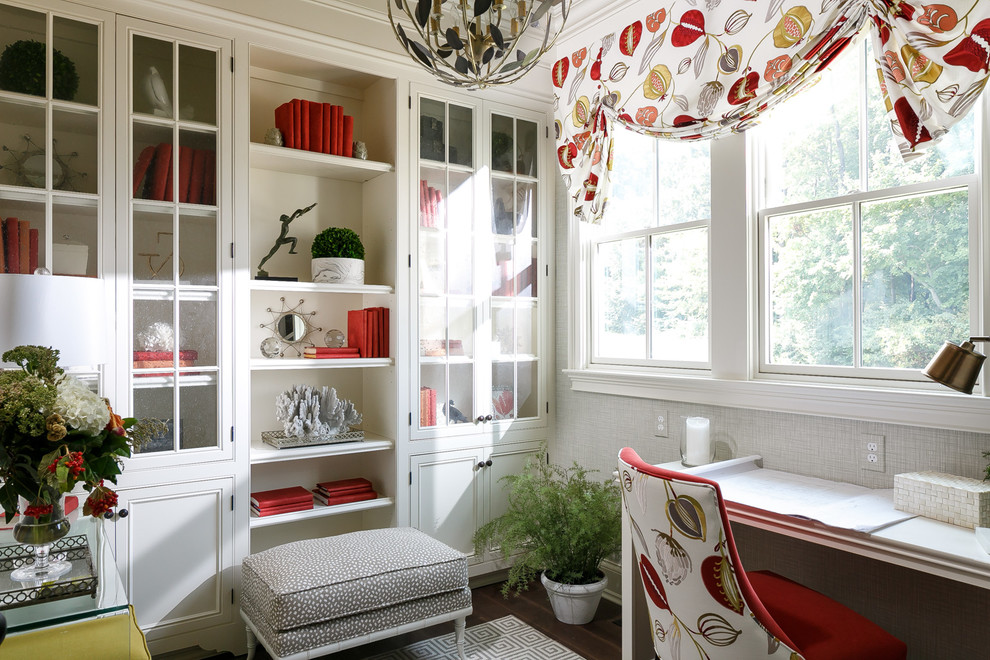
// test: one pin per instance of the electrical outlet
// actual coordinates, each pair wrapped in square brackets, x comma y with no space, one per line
[872,452]
[660,423]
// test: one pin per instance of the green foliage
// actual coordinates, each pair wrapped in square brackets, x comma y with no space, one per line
[22,69]
[986,470]
[338,242]
[558,521]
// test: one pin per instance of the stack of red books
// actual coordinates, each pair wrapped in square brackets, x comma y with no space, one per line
[344,491]
[281,500]
[368,331]
[314,126]
[323,353]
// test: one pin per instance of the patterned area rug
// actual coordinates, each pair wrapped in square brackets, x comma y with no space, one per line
[507,638]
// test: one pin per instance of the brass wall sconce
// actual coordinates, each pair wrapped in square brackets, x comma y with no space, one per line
[957,365]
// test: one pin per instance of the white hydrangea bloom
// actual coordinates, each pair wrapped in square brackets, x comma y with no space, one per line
[80,407]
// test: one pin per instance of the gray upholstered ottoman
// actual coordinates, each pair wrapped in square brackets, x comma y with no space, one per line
[310,598]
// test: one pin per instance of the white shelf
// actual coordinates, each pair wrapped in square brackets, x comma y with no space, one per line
[319,287]
[313,163]
[319,511]
[274,364]
[265,453]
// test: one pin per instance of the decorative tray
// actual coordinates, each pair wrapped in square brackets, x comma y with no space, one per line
[280,440]
[80,580]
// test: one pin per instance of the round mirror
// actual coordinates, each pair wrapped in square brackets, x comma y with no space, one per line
[291,327]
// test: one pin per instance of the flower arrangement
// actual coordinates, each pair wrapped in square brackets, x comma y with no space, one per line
[56,433]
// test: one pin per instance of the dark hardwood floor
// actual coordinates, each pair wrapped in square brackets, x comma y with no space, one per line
[599,640]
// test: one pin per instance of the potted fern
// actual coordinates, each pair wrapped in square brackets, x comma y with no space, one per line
[560,523]
[338,256]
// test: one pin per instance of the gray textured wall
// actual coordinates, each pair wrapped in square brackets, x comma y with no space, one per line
[939,619]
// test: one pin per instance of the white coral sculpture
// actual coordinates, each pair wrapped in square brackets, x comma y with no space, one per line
[306,410]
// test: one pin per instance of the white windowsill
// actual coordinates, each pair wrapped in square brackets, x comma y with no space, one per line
[944,410]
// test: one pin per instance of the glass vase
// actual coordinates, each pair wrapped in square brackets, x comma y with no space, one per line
[39,527]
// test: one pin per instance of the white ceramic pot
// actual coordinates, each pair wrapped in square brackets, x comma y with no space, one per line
[338,270]
[574,603]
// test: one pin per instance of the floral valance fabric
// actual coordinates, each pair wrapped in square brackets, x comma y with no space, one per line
[698,69]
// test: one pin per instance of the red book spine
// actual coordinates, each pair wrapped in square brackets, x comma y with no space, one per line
[33,258]
[141,168]
[340,130]
[210,184]
[369,346]
[343,350]
[346,499]
[197,177]
[24,245]
[185,172]
[386,339]
[315,126]
[12,245]
[327,127]
[283,122]
[436,204]
[296,123]
[274,511]
[422,204]
[342,485]
[337,132]
[160,170]
[304,125]
[347,149]
[281,496]
[355,330]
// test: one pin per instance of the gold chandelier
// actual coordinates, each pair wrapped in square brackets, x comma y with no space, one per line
[477,43]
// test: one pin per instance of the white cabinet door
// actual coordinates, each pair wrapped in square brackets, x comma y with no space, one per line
[504,461]
[175,554]
[447,498]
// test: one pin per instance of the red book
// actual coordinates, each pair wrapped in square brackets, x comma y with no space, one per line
[347,148]
[355,331]
[274,511]
[296,123]
[210,183]
[386,339]
[12,245]
[436,204]
[24,246]
[341,486]
[159,171]
[422,203]
[369,333]
[337,130]
[346,499]
[327,127]
[168,184]
[315,126]
[197,177]
[185,172]
[433,407]
[281,497]
[283,122]
[33,255]
[342,352]
[141,168]
[340,130]
[304,125]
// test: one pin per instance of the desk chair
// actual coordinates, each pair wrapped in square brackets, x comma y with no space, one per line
[701,601]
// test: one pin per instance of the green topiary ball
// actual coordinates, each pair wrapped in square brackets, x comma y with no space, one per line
[22,69]
[337,242]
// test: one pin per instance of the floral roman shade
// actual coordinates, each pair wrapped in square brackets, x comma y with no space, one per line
[699,69]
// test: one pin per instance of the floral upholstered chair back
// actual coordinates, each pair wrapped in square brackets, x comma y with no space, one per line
[700,601]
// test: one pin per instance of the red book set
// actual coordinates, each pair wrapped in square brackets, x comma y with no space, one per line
[344,491]
[314,126]
[197,182]
[281,500]
[368,331]
[18,247]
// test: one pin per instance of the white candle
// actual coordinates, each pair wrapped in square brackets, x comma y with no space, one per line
[698,443]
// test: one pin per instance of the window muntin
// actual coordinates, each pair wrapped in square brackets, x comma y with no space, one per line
[866,258]
[651,256]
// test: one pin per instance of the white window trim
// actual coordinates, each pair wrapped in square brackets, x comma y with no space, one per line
[733,380]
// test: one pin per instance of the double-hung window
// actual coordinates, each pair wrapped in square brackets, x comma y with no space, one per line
[650,265]
[867,263]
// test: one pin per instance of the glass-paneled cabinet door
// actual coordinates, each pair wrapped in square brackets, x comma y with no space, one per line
[449,198]
[177,220]
[513,263]
[51,129]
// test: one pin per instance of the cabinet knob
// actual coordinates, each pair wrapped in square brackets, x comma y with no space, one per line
[108,515]
[481,419]
[481,465]
[488,418]
[122,513]
[488,463]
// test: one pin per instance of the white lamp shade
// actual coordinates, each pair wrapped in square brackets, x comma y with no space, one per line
[65,313]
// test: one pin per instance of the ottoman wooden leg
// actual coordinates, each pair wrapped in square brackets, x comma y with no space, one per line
[459,625]
[252,643]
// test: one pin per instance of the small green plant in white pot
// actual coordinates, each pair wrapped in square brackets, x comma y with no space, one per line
[560,523]
[338,256]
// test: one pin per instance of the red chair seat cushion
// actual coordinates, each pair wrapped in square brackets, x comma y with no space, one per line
[821,628]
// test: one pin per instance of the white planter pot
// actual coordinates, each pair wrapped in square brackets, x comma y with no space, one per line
[574,603]
[338,270]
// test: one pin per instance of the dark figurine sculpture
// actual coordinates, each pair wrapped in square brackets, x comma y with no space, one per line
[454,415]
[283,239]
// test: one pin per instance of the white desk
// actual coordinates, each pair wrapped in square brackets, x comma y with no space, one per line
[918,543]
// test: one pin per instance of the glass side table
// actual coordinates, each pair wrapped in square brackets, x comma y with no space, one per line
[105,598]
